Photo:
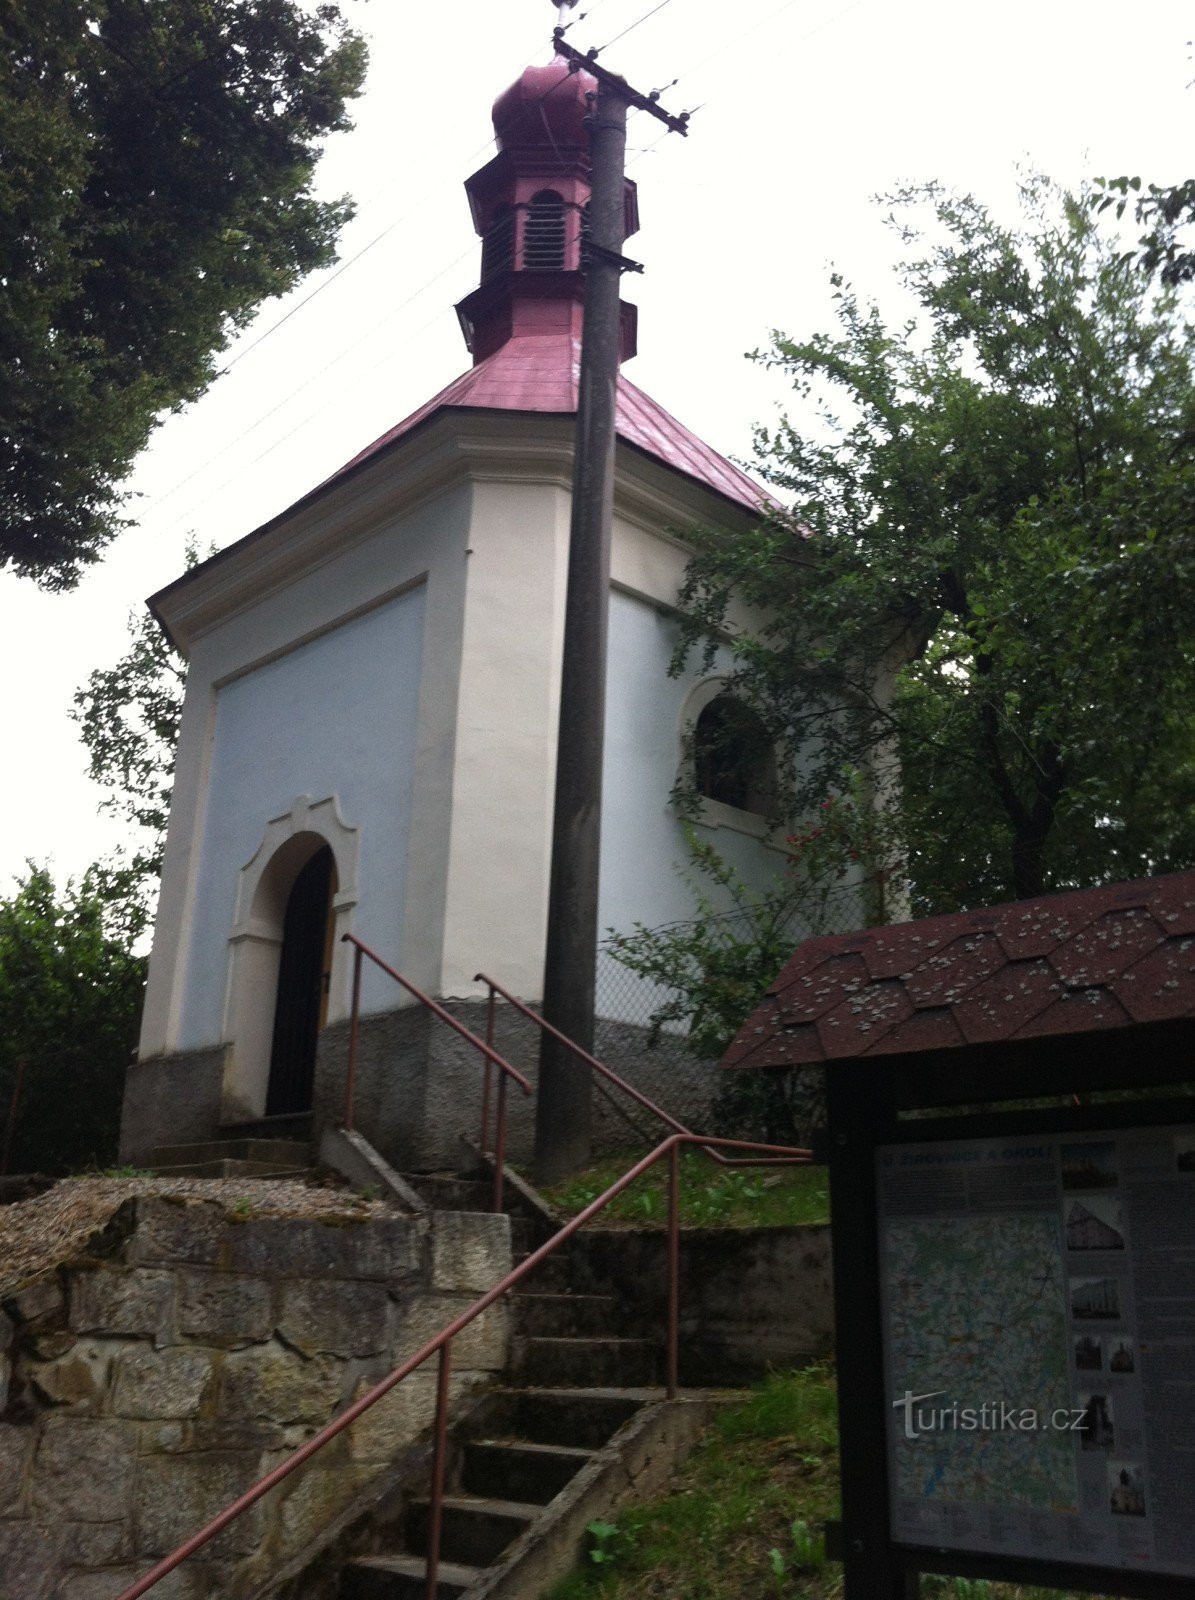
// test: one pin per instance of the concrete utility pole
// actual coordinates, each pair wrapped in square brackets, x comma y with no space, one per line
[563,1101]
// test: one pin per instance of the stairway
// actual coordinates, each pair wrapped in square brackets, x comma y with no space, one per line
[576,1383]
[271,1147]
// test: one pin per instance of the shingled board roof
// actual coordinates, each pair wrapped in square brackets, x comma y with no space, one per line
[1067,963]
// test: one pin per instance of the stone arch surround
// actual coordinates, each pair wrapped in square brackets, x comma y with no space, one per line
[254,945]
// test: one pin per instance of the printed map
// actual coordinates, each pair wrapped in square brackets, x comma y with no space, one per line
[976,1310]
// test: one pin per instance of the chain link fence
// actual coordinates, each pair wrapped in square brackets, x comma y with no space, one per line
[623,996]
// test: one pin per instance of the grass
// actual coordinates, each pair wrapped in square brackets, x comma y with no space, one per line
[711,1196]
[743,1519]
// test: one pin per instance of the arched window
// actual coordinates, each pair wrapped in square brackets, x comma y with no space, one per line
[498,245]
[733,756]
[543,233]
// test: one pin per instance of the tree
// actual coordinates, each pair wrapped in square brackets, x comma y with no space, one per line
[155,187]
[716,967]
[985,574]
[1166,210]
[128,716]
[70,1000]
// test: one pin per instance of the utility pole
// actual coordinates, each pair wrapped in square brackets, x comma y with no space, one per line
[563,1101]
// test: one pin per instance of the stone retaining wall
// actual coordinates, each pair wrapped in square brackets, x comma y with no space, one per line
[419,1084]
[751,1299]
[145,1387]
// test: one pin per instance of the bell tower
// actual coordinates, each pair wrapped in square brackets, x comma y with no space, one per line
[529,206]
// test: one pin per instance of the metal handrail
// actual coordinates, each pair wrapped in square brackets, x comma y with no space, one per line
[485,1046]
[442,1345]
[606,1072]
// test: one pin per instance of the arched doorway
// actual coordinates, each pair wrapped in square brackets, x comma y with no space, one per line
[304,968]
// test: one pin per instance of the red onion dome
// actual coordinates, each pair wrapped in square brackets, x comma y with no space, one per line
[547,106]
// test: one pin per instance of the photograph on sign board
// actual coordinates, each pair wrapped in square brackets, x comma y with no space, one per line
[1094,1223]
[1089,1353]
[1096,1429]
[1089,1165]
[1126,1489]
[1097,1298]
[1121,1359]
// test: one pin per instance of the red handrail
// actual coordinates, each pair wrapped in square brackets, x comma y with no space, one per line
[485,1046]
[441,1344]
[610,1075]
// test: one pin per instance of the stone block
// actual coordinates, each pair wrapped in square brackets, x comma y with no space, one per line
[5,1380]
[470,1250]
[274,1385]
[222,1310]
[176,1495]
[28,1561]
[343,1319]
[78,1379]
[38,1302]
[161,1383]
[321,1490]
[212,1434]
[183,1584]
[136,1304]
[16,1446]
[192,1234]
[482,1344]
[94,1544]
[83,1471]
[402,1416]
[387,1249]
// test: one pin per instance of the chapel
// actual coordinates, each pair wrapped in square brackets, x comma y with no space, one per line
[367,742]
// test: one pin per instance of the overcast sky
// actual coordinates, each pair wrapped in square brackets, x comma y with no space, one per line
[807,110]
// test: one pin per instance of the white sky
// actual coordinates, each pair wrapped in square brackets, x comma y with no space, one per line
[808,109]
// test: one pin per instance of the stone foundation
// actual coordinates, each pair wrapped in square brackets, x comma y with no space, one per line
[419,1087]
[171,1100]
[419,1084]
[144,1388]
[752,1300]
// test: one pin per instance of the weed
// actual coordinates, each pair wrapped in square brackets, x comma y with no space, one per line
[809,1548]
[241,1208]
[610,1542]
[710,1197]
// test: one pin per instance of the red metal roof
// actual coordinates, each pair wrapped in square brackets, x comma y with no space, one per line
[539,373]
[1066,963]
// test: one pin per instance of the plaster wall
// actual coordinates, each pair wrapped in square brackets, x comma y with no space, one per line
[297,726]
[375,625]
[505,736]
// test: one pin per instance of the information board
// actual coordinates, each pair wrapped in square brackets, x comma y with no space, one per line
[1038,1301]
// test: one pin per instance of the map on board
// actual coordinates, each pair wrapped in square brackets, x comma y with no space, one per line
[976,1311]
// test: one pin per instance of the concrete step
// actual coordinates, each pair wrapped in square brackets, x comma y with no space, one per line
[446,1191]
[403,1578]
[570,1362]
[475,1530]
[276,1152]
[516,1470]
[291,1125]
[526,1234]
[226,1169]
[554,1275]
[547,1314]
[580,1418]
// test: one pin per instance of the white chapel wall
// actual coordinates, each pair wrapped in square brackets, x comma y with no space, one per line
[335,716]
